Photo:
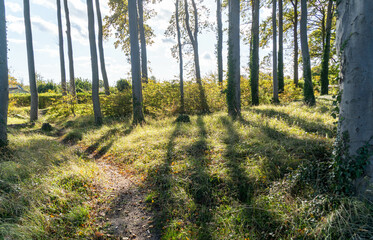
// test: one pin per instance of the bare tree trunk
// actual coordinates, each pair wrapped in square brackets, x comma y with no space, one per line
[274,52]
[309,96]
[31,63]
[254,67]
[4,88]
[182,105]
[280,47]
[296,48]
[101,49]
[144,58]
[324,78]
[194,40]
[355,46]
[234,90]
[70,49]
[60,44]
[138,115]
[219,48]
[94,64]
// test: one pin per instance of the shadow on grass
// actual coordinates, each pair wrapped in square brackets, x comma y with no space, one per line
[312,127]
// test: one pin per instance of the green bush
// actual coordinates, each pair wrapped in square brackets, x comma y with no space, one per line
[123,85]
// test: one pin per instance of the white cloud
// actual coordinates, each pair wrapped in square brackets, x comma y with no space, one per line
[15,24]
[52,52]
[45,3]
[16,41]
[13,7]
[43,25]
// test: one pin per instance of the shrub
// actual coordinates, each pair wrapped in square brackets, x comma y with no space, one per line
[123,85]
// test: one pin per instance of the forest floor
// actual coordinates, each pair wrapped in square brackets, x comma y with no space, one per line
[260,177]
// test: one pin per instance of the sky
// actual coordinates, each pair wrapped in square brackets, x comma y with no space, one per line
[45,40]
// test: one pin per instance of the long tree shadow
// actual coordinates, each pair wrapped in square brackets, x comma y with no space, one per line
[312,127]
[200,187]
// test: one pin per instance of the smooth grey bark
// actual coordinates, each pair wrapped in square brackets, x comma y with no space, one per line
[70,49]
[233,89]
[309,96]
[31,62]
[101,49]
[296,47]
[194,40]
[219,47]
[274,52]
[355,46]
[280,47]
[254,61]
[324,76]
[94,64]
[4,84]
[138,115]
[60,44]
[144,58]
[182,105]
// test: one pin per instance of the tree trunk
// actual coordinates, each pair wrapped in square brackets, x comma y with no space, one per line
[324,78]
[94,64]
[4,88]
[194,40]
[219,48]
[60,44]
[144,58]
[101,49]
[280,47]
[138,115]
[309,96]
[254,66]
[296,48]
[274,53]
[355,46]
[31,63]
[182,105]
[70,49]
[233,89]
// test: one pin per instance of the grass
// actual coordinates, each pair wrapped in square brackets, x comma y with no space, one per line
[212,178]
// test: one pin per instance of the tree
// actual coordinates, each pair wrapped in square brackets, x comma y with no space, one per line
[31,62]
[144,58]
[101,49]
[280,47]
[219,47]
[309,96]
[60,44]
[94,64]
[274,52]
[138,115]
[233,89]
[295,35]
[254,61]
[193,37]
[324,78]
[70,49]
[4,86]
[355,46]
[182,106]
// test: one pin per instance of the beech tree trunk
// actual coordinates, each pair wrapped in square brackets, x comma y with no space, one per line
[138,115]
[182,105]
[280,47]
[94,64]
[31,63]
[194,40]
[4,88]
[144,58]
[219,47]
[309,96]
[60,44]
[274,53]
[324,78]
[101,49]
[254,66]
[233,89]
[70,49]
[296,48]
[355,46]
